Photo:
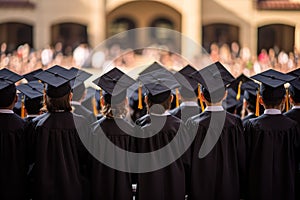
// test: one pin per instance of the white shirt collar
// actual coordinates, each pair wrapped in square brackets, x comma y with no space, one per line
[77,103]
[32,115]
[164,114]
[272,112]
[296,107]
[188,103]
[214,108]
[6,111]
[250,113]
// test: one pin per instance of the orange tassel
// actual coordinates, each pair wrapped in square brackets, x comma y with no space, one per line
[177,98]
[200,99]
[22,108]
[95,110]
[257,104]
[140,103]
[287,100]
[238,96]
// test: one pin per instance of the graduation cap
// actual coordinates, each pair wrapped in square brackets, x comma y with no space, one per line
[114,85]
[214,79]
[295,89]
[8,80]
[189,85]
[77,84]
[134,96]
[154,66]
[159,84]
[236,85]
[231,103]
[295,73]
[57,79]
[30,76]
[272,87]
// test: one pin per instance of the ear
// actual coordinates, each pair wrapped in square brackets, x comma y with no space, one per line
[146,100]
[225,95]
[171,98]
[291,99]
[70,96]
[261,101]
[202,96]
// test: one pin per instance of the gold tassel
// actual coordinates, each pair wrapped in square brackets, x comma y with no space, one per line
[200,99]
[140,103]
[177,97]
[257,104]
[238,96]
[287,100]
[22,107]
[95,110]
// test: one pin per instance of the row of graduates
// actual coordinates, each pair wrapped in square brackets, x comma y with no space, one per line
[218,158]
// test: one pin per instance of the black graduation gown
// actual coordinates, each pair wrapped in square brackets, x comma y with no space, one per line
[271,147]
[220,175]
[59,156]
[13,158]
[247,118]
[168,182]
[185,112]
[81,110]
[108,183]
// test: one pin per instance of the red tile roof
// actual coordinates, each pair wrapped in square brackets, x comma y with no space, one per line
[277,5]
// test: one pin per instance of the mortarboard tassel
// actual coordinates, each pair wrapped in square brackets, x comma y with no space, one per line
[140,104]
[238,96]
[177,97]
[287,100]
[22,107]
[257,104]
[95,110]
[200,99]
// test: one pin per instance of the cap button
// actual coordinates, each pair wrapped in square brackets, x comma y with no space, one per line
[272,77]
[55,74]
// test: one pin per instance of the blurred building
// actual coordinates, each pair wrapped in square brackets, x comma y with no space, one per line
[256,24]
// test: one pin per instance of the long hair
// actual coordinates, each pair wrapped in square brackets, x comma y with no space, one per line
[61,103]
[116,110]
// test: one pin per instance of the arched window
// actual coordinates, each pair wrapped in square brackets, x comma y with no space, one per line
[15,34]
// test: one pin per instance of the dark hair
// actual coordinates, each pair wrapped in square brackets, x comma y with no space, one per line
[117,110]
[33,106]
[159,109]
[7,98]
[272,103]
[215,96]
[61,103]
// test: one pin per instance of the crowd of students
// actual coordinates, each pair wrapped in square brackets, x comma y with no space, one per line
[219,142]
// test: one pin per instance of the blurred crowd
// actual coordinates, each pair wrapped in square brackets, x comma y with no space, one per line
[237,60]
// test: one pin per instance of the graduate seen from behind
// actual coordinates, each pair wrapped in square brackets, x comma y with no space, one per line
[218,155]
[158,130]
[56,150]
[13,163]
[106,181]
[272,141]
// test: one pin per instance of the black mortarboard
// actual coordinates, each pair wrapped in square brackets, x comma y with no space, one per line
[154,66]
[236,85]
[295,73]
[57,79]
[77,84]
[295,89]
[8,80]
[231,103]
[133,94]
[159,84]
[30,76]
[214,79]
[114,85]
[32,89]
[272,87]
[189,85]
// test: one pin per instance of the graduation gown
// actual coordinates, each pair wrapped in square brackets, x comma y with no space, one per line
[108,183]
[247,118]
[168,182]
[184,112]
[59,156]
[271,147]
[220,175]
[13,158]
[81,110]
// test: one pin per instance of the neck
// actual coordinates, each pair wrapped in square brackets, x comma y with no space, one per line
[213,104]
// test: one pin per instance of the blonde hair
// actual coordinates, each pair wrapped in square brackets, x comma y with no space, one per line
[117,110]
